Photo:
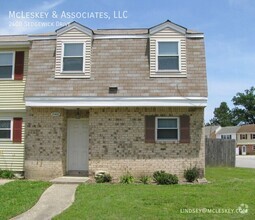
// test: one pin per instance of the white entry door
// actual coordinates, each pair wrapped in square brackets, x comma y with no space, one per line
[77,146]
[243,150]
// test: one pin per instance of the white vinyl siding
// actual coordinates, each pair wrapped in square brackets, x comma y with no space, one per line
[73,36]
[12,91]
[168,34]
[7,60]
[12,154]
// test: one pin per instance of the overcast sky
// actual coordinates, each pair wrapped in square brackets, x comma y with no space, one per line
[228,26]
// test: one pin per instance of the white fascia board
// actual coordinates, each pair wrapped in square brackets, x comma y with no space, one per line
[195,35]
[46,37]
[16,44]
[116,101]
[168,25]
[126,36]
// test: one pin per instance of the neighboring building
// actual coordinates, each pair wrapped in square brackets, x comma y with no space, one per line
[13,72]
[246,139]
[211,131]
[115,100]
[227,133]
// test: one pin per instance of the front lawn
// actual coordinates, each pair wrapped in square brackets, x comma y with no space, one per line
[229,188]
[18,196]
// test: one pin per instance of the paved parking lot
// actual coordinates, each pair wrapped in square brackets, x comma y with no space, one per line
[245,161]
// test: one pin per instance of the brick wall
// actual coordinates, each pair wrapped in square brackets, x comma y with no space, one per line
[45,147]
[117,142]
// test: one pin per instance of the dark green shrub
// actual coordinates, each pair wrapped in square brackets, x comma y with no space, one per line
[103,178]
[6,174]
[163,178]
[145,179]
[127,178]
[191,174]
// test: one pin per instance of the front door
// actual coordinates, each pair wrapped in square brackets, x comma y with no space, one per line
[244,150]
[77,146]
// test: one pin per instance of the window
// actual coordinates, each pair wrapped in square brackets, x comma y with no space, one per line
[73,57]
[5,129]
[6,65]
[167,128]
[243,136]
[253,148]
[252,136]
[226,136]
[168,56]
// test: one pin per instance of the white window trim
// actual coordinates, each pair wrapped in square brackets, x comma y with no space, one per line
[13,65]
[167,140]
[179,54]
[11,138]
[74,73]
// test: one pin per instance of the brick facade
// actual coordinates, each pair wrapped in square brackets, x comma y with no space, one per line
[116,135]
[116,142]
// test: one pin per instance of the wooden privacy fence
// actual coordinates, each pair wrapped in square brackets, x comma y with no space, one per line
[220,152]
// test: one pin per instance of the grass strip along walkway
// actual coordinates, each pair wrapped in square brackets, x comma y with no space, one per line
[228,190]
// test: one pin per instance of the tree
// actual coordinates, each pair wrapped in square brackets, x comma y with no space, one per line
[244,112]
[222,116]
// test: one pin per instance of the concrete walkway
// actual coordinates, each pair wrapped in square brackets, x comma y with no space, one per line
[4,181]
[53,201]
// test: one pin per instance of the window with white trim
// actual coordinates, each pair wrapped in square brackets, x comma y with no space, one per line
[168,57]
[5,129]
[6,65]
[167,128]
[226,136]
[73,58]
[252,136]
[243,136]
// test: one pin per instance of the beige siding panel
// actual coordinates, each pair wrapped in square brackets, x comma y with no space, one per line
[12,155]
[12,91]
[167,33]
[73,35]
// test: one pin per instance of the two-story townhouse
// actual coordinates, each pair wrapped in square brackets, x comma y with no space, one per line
[246,139]
[227,133]
[115,100]
[13,72]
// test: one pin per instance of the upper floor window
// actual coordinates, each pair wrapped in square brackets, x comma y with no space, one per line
[73,58]
[252,136]
[243,136]
[168,57]
[6,65]
[5,129]
[167,128]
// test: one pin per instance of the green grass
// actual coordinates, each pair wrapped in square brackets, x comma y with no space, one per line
[18,196]
[229,188]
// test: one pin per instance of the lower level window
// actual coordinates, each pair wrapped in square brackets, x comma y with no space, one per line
[5,129]
[167,128]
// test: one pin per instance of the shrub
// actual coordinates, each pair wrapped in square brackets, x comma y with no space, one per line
[6,174]
[191,174]
[127,178]
[145,179]
[103,178]
[163,178]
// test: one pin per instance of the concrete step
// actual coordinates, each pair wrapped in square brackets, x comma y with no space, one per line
[70,180]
